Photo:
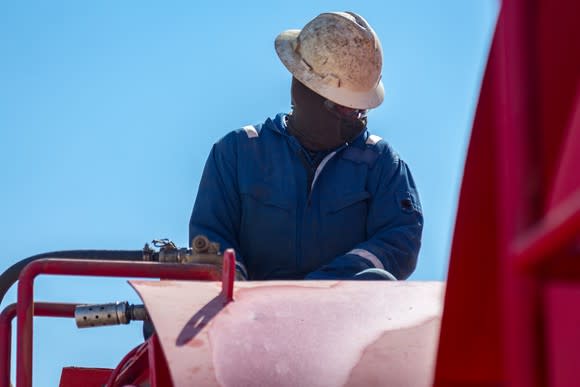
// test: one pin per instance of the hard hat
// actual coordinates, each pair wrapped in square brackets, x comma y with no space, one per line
[337,55]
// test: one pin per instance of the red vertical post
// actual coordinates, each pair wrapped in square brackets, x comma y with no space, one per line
[25,312]
[6,318]
[228,274]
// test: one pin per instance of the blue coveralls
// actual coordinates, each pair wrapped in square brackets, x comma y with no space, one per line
[262,195]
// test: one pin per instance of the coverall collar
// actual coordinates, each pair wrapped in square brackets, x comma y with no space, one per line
[278,125]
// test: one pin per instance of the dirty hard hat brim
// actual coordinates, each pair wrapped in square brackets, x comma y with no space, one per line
[327,86]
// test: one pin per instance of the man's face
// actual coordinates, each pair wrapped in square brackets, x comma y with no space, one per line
[322,124]
[316,105]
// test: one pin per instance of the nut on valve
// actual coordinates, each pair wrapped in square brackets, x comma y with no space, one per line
[202,245]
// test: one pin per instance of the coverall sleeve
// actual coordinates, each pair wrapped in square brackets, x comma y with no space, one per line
[216,212]
[394,227]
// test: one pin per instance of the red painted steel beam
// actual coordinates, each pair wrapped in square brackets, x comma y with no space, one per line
[567,178]
[558,228]
[562,319]
[55,266]
[41,309]
[517,208]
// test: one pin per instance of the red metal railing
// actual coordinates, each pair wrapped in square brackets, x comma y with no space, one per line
[41,309]
[54,266]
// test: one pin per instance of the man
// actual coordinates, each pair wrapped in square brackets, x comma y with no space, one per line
[312,194]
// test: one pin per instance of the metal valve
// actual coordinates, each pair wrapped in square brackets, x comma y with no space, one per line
[203,251]
[114,313]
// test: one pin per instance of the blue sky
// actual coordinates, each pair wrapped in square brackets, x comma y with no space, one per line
[108,110]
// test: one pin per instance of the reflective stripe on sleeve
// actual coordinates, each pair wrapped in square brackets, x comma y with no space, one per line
[376,262]
[251,132]
[242,269]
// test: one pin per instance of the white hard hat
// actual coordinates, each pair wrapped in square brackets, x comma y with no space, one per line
[337,55]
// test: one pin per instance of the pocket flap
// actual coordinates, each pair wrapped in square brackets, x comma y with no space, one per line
[347,200]
[265,194]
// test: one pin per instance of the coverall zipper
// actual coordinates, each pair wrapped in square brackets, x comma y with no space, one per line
[312,178]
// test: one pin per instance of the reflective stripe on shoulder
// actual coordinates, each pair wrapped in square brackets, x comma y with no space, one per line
[251,131]
[373,259]
[373,139]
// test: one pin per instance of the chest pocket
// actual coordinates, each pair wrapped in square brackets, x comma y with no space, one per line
[267,221]
[345,222]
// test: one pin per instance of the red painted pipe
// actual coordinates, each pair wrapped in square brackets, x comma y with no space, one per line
[44,309]
[86,268]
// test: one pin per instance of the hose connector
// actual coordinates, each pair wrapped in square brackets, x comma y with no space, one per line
[114,313]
